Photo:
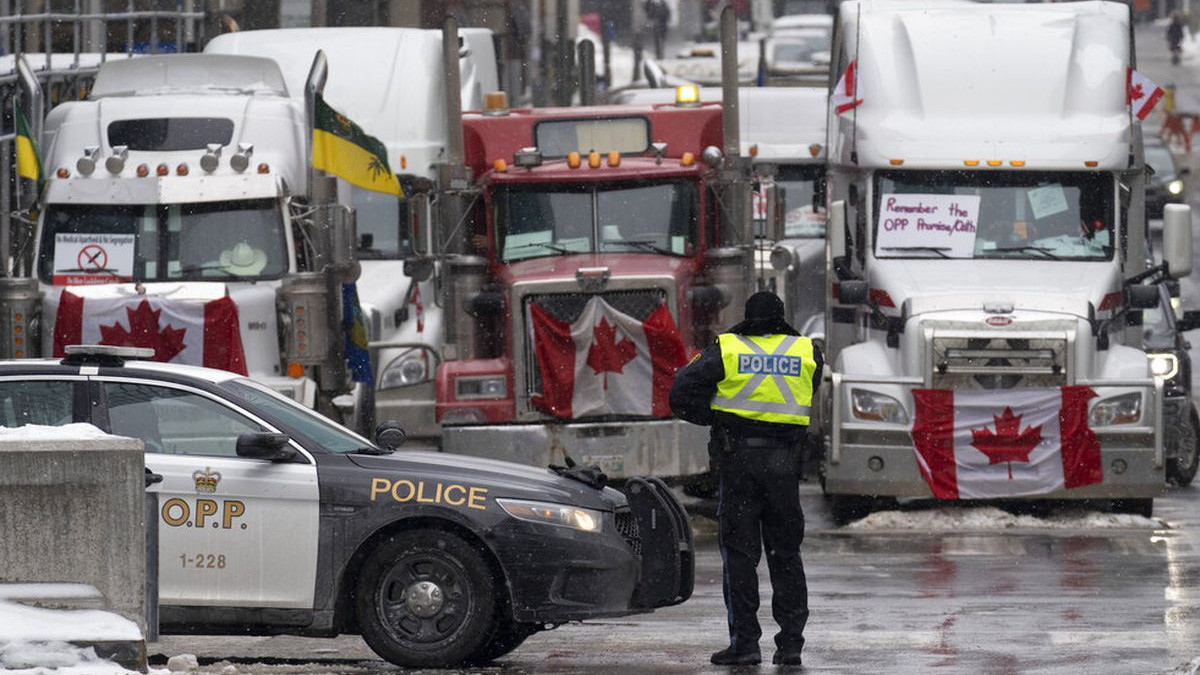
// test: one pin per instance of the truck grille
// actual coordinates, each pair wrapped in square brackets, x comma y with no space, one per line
[567,307]
[998,362]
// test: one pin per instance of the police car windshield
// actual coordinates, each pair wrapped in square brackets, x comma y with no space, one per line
[310,428]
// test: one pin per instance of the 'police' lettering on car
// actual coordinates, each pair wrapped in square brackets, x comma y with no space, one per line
[453,494]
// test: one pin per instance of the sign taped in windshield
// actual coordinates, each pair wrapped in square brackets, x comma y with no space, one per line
[84,259]
[915,223]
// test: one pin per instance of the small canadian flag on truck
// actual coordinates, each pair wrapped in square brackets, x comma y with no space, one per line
[1141,93]
[845,94]
[1008,443]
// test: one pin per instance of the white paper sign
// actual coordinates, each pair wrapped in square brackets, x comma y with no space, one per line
[1047,201]
[82,259]
[911,224]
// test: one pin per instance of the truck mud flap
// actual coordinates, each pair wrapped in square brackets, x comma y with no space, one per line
[662,535]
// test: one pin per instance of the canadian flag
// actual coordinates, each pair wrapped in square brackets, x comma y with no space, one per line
[606,362]
[192,332]
[845,94]
[987,444]
[1141,93]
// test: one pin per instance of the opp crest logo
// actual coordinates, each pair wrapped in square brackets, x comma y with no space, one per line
[998,321]
[206,481]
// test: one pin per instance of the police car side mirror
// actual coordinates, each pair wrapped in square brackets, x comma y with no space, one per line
[389,435]
[272,447]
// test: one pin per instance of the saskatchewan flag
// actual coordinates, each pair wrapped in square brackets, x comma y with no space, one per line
[342,148]
[29,162]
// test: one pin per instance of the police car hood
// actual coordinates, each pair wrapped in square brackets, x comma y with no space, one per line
[502,479]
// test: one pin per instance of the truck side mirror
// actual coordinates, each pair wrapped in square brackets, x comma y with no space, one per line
[273,447]
[837,229]
[1177,239]
[853,292]
[1138,296]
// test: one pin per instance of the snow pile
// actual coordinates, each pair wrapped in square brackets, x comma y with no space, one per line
[992,518]
[79,431]
[36,641]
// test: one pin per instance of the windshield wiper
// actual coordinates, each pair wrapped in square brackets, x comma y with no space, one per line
[643,244]
[542,244]
[940,250]
[193,269]
[371,450]
[1021,249]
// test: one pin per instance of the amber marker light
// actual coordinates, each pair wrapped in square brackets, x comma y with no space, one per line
[63,173]
[182,169]
[688,159]
[995,162]
[500,166]
[896,162]
[573,160]
[143,170]
[162,170]
[295,371]
[1091,164]
[971,162]
[754,150]
[264,168]
[1017,162]
[614,158]
[403,162]
[814,149]
[593,160]
[687,95]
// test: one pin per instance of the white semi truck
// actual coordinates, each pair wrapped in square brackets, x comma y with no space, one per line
[986,258]
[175,216]
[389,81]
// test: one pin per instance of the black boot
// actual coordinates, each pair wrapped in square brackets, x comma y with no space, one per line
[729,657]
[788,656]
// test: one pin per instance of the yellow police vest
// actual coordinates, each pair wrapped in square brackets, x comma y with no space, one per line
[767,378]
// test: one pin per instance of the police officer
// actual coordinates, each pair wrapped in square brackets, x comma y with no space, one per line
[755,386]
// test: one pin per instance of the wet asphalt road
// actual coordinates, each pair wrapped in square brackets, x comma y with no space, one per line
[1052,601]
[989,602]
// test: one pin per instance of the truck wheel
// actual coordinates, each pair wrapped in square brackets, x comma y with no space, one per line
[848,508]
[424,599]
[1137,507]
[1182,469]
[506,636]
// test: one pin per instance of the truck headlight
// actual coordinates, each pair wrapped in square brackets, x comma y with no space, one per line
[1175,187]
[404,371]
[474,388]
[1165,366]
[1123,409]
[870,405]
[574,517]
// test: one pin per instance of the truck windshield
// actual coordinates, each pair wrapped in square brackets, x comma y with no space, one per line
[801,218]
[994,214]
[105,243]
[547,220]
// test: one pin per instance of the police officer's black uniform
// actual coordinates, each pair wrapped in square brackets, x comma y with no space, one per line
[759,467]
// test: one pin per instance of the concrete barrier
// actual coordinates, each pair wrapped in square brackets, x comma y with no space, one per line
[74,510]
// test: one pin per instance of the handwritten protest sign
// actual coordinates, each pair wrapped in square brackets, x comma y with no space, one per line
[910,222]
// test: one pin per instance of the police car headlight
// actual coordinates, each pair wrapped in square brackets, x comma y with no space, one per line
[1175,187]
[1123,409]
[1165,366]
[870,405]
[404,371]
[585,520]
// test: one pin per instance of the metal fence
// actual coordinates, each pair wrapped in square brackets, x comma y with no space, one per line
[64,43]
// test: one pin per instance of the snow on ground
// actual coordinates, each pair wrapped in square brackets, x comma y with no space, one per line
[950,519]
[37,641]
[78,431]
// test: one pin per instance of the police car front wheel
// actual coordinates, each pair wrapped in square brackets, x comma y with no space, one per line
[425,599]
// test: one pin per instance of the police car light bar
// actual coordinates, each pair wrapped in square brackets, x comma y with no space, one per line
[110,355]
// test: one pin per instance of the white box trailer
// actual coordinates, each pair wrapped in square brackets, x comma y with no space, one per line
[389,81]
[986,244]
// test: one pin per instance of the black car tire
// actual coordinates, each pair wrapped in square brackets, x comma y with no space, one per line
[425,599]
[506,636]
[1181,470]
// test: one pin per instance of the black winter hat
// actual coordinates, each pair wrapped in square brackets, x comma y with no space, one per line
[764,305]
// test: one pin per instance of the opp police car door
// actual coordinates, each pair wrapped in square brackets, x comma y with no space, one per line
[233,531]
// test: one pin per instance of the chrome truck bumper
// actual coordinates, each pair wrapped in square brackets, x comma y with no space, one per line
[662,448]
[1132,456]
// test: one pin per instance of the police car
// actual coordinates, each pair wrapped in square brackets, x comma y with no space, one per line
[272,519]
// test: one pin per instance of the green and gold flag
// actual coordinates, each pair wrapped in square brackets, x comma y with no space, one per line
[29,161]
[342,148]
